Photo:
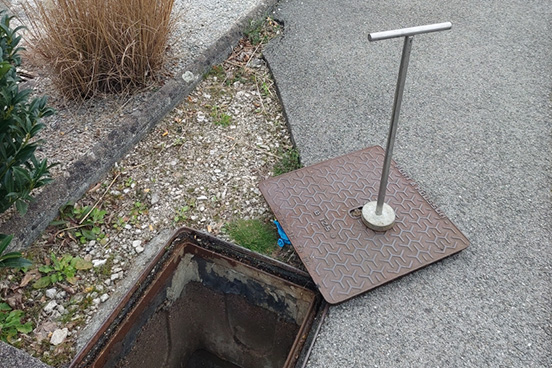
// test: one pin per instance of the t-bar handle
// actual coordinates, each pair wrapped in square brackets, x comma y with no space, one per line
[405,32]
[378,215]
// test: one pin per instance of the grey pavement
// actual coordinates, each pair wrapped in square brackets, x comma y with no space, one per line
[474,133]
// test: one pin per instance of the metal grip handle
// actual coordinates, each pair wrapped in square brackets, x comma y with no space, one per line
[405,32]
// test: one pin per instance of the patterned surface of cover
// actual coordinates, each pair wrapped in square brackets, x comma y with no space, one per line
[319,208]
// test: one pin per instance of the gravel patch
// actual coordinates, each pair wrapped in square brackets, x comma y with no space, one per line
[199,167]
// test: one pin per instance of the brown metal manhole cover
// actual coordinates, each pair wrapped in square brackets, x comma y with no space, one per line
[319,209]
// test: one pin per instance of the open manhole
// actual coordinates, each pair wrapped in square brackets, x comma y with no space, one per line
[206,303]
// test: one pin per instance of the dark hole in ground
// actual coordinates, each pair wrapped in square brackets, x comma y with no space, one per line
[207,309]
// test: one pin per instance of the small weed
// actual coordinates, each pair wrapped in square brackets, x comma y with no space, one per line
[138,208]
[61,269]
[181,214]
[120,223]
[261,30]
[265,90]
[11,325]
[105,269]
[57,356]
[289,161]
[219,117]
[253,234]
[84,222]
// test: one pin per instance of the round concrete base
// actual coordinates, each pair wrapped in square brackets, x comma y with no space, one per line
[375,222]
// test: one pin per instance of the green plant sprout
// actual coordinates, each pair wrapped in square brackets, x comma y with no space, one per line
[61,269]
[138,208]
[11,325]
[181,214]
[84,222]
[219,117]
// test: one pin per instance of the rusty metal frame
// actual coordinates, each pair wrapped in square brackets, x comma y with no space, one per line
[152,279]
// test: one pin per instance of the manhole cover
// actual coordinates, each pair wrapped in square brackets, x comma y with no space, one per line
[319,209]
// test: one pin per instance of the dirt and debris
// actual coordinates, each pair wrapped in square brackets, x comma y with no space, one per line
[199,167]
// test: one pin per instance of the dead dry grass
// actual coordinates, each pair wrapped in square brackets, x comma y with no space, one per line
[100,46]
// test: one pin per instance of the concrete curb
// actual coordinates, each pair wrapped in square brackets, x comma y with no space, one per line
[12,357]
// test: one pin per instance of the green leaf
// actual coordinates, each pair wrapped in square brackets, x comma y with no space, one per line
[26,328]
[42,282]
[45,269]
[5,307]
[58,223]
[72,280]
[15,262]
[4,68]
[21,207]
[5,240]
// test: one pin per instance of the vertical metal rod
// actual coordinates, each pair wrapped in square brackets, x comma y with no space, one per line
[394,122]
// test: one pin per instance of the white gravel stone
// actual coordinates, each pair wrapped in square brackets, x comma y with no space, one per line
[49,308]
[104,297]
[51,293]
[114,277]
[98,262]
[136,243]
[139,249]
[59,336]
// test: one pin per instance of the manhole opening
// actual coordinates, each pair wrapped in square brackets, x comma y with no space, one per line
[203,308]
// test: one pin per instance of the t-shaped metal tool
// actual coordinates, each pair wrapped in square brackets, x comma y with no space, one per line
[378,215]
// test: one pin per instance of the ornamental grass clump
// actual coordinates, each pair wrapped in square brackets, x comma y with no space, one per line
[107,46]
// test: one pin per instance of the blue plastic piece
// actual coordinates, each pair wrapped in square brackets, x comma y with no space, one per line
[283,237]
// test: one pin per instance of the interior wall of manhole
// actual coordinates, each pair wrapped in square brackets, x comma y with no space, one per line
[214,312]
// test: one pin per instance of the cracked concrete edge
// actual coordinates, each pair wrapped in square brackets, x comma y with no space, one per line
[132,128]
[13,357]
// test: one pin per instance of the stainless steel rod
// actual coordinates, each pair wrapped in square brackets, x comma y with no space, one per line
[394,122]
[405,32]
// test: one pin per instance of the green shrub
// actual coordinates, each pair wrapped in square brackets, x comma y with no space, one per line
[20,170]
